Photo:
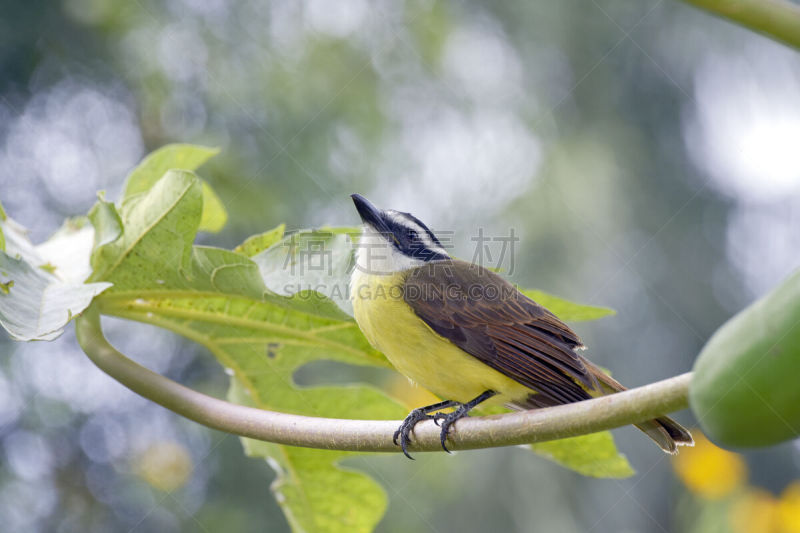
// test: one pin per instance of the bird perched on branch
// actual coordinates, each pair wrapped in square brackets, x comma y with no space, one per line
[465,333]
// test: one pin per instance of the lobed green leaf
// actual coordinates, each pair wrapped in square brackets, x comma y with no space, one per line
[565,309]
[184,157]
[315,493]
[218,298]
[260,242]
[154,246]
[214,214]
[179,156]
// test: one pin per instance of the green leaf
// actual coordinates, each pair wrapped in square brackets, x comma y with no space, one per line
[218,298]
[565,309]
[593,455]
[260,242]
[172,156]
[214,214]
[106,221]
[156,238]
[314,492]
[182,157]
[744,387]
[263,339]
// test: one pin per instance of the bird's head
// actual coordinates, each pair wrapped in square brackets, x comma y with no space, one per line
[393,241]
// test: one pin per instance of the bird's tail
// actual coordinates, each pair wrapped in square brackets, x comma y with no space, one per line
[667,433]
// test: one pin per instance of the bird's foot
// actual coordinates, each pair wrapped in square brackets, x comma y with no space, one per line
[404,431]
[445,420]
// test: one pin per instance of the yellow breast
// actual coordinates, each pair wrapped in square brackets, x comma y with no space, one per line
[418,352]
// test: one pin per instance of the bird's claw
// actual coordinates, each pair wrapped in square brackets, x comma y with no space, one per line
[405,429]
[448,419]
[443,420]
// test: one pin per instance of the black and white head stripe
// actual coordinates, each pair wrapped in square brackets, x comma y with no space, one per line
[412,237]
[411,240]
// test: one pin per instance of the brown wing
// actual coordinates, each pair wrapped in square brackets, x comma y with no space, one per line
[489,318]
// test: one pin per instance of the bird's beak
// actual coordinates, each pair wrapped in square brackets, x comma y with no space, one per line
[369,213]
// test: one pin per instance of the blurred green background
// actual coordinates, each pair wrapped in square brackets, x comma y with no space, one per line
[645,153]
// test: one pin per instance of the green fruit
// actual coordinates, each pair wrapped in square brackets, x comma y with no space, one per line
[746,388]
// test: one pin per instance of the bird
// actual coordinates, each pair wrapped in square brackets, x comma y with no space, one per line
[465,333]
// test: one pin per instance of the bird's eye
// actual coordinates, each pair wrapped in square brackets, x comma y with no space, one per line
[411,234]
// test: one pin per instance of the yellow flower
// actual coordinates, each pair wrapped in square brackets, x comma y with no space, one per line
[789,509]
[709,471]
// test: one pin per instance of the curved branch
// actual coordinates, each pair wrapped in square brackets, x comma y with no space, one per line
[632,406]
[778,19]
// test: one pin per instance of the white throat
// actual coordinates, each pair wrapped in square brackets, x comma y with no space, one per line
[376,256]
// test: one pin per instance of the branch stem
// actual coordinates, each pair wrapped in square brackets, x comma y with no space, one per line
[632,406]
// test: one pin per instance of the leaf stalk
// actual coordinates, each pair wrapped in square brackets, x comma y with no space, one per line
[510,429]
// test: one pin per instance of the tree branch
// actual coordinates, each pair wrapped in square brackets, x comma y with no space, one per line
[778,19]
[635,405]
